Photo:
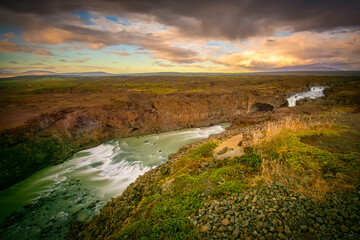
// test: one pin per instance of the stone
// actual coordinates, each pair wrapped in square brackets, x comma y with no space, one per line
[304,228]
[222,151]
[344,228]
[319,220]
[274,222]
[205,228]
[354,217]
[269,236]
[322,227]
[328,175]
[236,232]
[281,236]
[225,222]
[221,229]
[310,221]
[287,230]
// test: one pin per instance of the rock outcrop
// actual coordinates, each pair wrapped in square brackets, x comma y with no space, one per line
[54,137]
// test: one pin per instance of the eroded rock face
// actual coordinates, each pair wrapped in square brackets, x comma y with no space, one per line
[54,137]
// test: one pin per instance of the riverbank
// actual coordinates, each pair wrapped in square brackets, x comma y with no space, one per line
[298,179]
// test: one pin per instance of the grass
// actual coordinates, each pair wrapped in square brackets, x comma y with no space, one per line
[301,166]
[277,156]
[165,215]
[158,88]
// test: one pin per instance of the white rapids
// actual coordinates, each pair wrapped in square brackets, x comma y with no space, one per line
[315,92]
[47,201]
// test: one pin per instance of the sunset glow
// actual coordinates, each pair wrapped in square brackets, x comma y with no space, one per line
[174,36]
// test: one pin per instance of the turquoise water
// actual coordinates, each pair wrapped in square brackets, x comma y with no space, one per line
[48,200]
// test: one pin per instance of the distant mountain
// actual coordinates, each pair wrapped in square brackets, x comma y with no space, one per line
[87,74]
[306,68]
[5,74]
[299,70]
[37,72]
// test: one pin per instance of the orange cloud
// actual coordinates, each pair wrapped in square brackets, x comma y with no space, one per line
[7,46]
[299,49]
[119,53]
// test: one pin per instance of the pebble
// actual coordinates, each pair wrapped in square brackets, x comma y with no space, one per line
[225,222]
[277,213]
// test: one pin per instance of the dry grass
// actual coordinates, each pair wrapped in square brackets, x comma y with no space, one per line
[273,129]
[287,161]
[311,184]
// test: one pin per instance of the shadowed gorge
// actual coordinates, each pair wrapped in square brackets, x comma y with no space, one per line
[261,107]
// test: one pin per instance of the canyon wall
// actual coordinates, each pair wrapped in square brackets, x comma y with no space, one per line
[53,137]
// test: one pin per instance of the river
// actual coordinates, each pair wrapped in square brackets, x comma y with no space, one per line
[42,205]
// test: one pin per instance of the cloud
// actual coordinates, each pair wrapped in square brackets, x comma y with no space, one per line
[7,46]
[119,53]
[161,64]
[265,34]
[10,35]
[158,46]
[231,19]
[299,49]
[75,61]
[172,53]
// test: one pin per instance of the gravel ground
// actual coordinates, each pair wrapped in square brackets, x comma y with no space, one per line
[275,212]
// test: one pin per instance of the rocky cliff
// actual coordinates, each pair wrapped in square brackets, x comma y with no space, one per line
[82,117]
[53,137]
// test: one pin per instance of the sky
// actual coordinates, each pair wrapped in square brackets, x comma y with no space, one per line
[138,36]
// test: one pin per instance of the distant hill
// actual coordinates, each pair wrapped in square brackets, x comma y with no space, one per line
[306,68]
[88,74]
[38,72]
[299,70]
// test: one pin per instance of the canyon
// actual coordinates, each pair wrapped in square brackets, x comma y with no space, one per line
[52,119]
[60,118]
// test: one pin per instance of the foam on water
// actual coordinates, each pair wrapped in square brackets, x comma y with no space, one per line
[58,193]
[314,92]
